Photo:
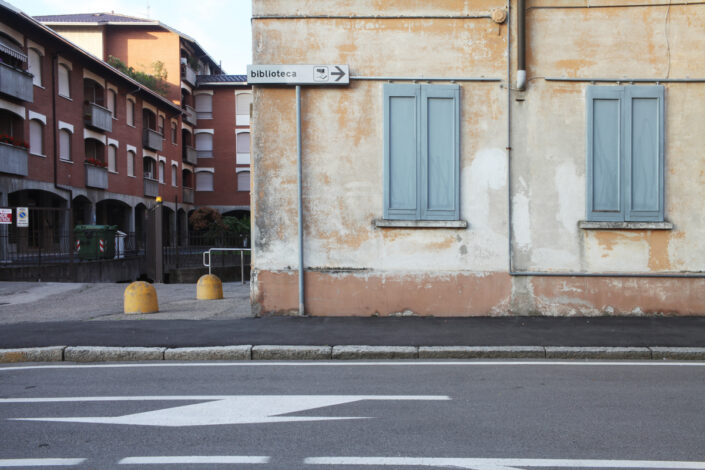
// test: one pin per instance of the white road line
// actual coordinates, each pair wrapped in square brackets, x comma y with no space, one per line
[501,464]
[195,459]
[576,363]
[40,462]
[221,397]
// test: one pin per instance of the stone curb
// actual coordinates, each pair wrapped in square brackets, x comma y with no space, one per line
[277,353]
[49,354]
[103,354]
[360,352]
[481,352]
[375,352]
[597,353]
[216,353]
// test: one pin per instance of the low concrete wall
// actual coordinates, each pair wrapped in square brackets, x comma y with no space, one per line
[85,271]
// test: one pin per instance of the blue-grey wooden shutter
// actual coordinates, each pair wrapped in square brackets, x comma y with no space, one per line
[440,152]
[401,143]
[605,166]
[644,133]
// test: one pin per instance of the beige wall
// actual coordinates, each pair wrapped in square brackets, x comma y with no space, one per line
[356,268]
[88,38]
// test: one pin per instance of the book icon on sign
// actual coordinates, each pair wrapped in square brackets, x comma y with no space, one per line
[320,73]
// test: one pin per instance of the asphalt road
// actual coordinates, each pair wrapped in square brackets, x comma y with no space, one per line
[354,415]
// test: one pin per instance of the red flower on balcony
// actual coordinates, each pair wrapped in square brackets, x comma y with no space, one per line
[95,162]
[8,139]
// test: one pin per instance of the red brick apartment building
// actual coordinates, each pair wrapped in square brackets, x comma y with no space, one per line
[77,133]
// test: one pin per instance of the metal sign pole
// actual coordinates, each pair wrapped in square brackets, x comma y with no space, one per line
[300,193]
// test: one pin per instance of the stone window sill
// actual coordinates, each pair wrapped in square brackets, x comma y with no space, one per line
[588,225]
[384,223]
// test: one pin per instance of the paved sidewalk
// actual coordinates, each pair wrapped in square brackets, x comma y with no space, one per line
[51,314]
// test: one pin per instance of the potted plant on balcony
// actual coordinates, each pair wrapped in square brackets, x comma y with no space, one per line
[8,139]
[95,162]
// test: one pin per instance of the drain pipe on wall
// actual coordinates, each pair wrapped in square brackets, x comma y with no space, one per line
[521,45]
[299,175]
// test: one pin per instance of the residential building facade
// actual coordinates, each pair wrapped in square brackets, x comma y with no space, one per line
[488,158]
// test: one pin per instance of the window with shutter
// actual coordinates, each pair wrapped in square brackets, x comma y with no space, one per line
[204,106]
[204,181]
[112,158]
[36,137]
[34,66]
[64,81]
[64,145]
[625,153]
[243,181]
[421,152]
[130,163]
[204,145]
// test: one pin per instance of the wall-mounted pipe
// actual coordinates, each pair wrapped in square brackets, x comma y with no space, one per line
[426,79]
[521,45]
[299,174]
[625,80]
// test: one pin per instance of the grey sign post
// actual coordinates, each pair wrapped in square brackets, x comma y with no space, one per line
[312,75]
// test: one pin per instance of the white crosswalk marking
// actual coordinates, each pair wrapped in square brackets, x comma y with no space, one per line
[504,464]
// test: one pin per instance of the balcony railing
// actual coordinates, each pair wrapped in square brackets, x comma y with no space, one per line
[13,159]
[151,187]
[188,74]
[190,155]
[98,117]
[190,115]
[16,83]
[188,195]
[96,177]
[152,140]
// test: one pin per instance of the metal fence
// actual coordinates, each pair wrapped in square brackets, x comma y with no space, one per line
[189,253]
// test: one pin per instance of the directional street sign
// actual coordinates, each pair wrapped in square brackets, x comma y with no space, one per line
[298,74]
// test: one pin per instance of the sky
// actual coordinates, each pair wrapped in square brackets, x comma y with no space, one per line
[221,27]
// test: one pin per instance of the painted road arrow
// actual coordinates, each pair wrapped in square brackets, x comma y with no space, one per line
[228,409]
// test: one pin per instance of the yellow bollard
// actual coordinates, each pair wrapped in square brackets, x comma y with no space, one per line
[209,287]
[141,297]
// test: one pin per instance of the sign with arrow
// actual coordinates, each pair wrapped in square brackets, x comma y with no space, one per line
[298,74]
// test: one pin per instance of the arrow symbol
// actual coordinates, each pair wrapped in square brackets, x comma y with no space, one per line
[219,410]
[340,73]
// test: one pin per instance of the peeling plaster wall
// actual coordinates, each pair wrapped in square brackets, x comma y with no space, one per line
[354,268]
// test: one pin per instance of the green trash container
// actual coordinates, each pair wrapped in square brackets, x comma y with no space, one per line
[95,241]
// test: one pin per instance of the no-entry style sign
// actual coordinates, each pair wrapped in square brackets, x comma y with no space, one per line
[298,74]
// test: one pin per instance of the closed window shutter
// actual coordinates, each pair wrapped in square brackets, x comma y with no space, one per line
[243,181]
[112,156]
[401,128]
[204,106]
[130,111]
[644,153]
[243,142]
[204,145]
[604,149]
[36,137]
[64,88]
[64,144]
[204,181]
[440,149]
[130,163]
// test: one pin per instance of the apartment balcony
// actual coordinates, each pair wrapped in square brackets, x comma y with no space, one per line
[151,187]
[190,155]
[96,176]
[13,159]
[16,83]
[188,74]
[190,116]
[98,117]
[188,195]
[152,140]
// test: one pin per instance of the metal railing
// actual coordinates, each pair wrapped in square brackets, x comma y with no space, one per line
[208,264]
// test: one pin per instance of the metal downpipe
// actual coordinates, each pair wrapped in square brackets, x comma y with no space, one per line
[300,200]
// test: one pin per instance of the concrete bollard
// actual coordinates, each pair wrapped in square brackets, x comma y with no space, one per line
[209,287]
[141,297]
